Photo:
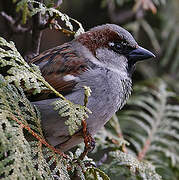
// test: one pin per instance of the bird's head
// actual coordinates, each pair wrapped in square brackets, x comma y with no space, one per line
[114,47]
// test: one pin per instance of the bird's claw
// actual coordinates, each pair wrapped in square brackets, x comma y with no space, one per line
[88,140]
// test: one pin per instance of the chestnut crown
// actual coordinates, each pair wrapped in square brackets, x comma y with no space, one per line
[115,38]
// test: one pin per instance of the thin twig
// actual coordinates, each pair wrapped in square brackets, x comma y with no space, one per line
[115,124]
[36,35]
[142,153]
[14,26]
[39,138]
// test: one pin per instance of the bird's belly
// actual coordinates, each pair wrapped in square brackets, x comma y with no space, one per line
[102,110]
[103,105]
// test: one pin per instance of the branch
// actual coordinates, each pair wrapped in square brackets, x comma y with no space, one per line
[39,24]
[36,35]
[153,131]
[144,150]
[115,124]
[14,26]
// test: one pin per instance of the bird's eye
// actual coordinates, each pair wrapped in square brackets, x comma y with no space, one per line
[117,47]
[120,47]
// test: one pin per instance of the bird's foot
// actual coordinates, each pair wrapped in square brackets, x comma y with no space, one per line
[89,143]
[88,140]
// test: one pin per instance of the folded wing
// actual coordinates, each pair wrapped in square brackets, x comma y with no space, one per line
[61,67]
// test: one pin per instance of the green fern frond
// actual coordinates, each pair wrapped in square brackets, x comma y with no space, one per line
[75,113]
[15,69]
[153,121]
[145,169]
[17,114]
[126,166]
[23,6]
[27,11]
[22,155]
[159,2]
[16,161]
[95,173]
[83,170]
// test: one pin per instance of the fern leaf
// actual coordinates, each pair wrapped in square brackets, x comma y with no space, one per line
[22,159]
[27,11]
[155,124]
[143,169]
[75,113]
[17,70]
[16,161]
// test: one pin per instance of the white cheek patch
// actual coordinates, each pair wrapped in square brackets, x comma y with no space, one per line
[70,78]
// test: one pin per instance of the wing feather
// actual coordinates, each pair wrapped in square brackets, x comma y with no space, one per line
[57,63]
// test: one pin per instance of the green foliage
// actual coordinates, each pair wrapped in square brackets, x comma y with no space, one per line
[75,112]
[150,123]
[138,169]
[24,152]
[23,6]
[21,159]
[16,70]
[29,8]
[154,121]
[15,153]
[95,173]
[85,169]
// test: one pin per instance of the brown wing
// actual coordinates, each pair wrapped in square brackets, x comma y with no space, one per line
[55,64]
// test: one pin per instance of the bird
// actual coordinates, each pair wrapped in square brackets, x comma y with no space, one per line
[104,59]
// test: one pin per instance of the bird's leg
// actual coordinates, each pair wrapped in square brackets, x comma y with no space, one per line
[88,140]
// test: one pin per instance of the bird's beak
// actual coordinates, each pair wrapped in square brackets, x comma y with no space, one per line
[139,54]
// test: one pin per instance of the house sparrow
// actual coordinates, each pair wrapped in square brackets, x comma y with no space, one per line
[102,58]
